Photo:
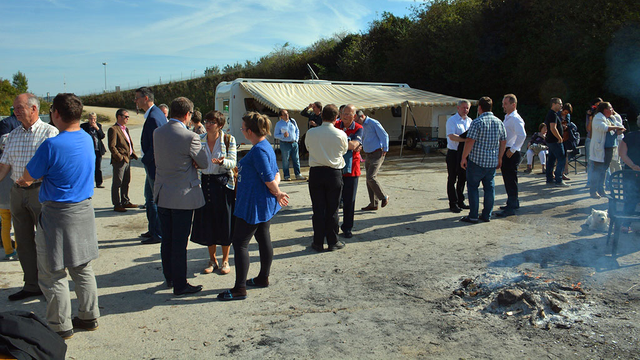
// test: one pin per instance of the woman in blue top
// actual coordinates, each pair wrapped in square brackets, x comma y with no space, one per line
[258,199]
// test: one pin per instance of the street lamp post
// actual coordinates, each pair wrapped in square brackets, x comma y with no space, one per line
[105,76]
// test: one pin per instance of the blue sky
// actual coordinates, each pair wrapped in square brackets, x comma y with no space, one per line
[54,42]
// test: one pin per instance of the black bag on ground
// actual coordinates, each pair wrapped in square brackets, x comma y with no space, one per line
[24,335]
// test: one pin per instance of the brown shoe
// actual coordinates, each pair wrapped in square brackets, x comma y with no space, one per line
[225,269]
[369,207]
[385,201]
[130,206]
[119,209]
[213,266]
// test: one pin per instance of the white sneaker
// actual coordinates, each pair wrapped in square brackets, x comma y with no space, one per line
[300,177]
[562,184]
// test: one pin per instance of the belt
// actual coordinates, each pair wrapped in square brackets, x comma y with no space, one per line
[32,186]
[374,151]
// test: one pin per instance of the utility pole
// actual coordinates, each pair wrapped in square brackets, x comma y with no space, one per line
[105,76]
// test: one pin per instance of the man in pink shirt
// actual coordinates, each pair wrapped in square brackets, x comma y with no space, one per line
[122,152]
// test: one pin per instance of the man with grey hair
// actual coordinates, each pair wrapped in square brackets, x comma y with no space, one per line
[375,143]
[516,135]
[20,147]
[177,191]
[154,118]
[165,110]
[457,176]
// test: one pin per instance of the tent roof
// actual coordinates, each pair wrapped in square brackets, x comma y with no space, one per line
[296,96]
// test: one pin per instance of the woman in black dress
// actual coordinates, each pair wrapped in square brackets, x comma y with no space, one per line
[212,223]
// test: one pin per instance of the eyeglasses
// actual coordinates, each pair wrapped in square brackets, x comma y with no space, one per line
[209,122]
[126,117]
[137,97]
[192,112]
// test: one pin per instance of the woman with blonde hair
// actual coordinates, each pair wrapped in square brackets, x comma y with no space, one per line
[258,199]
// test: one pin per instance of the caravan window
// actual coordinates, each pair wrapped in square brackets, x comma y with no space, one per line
[252,105]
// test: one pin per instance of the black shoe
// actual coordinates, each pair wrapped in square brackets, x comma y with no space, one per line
[65,334]
[318,248]
[89,325]
[469,220]
[463,206]
[100,186]
[146,235]
[151,240]
[347,234]
[255,282]
[505,213]
[505,207]
[337,246]
[455,209]
[23,294]
[484,219]
[169,284]
[189,289]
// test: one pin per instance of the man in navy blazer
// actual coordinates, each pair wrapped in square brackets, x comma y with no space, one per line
[154,118]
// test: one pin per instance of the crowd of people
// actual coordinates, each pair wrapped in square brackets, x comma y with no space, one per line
[476,148]
[197,190]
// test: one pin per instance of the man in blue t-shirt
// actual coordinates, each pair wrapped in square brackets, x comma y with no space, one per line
[66,236]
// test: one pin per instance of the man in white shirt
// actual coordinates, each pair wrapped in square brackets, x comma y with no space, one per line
[327,146]
[457,176]
[516,135]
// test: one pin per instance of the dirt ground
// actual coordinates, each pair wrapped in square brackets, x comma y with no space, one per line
[388,294]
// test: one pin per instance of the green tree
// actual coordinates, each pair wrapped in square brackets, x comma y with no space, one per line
[20,82]
[7,94]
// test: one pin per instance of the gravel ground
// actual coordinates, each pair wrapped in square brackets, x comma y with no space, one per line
[389,293]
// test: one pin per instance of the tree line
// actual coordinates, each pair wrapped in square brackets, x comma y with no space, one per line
[536,49]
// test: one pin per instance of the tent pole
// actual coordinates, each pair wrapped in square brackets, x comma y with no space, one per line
[404,126]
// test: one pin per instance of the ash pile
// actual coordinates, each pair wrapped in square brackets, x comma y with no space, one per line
[542,302]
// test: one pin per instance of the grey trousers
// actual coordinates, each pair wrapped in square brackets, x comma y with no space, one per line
[25,210]
[120,183]
[55,286]
[372,163]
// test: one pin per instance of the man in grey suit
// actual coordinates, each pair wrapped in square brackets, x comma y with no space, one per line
[177,191]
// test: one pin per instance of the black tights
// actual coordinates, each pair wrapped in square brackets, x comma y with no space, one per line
[242,234]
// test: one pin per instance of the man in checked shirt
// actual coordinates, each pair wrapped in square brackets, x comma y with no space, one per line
[20,147]
[485,145]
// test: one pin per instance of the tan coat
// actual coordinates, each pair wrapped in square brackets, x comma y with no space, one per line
[118,145]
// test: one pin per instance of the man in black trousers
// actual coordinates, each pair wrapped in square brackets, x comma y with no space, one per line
[516,135]
[326,146]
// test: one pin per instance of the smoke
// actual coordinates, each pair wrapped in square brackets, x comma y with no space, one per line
[623,64]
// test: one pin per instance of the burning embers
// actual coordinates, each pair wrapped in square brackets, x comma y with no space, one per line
[543,302]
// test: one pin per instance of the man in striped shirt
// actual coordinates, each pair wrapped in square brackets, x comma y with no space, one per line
[20,147]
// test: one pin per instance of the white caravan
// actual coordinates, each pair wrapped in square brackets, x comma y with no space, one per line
[393,104]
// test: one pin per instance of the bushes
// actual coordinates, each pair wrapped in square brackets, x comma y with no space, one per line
[535,49]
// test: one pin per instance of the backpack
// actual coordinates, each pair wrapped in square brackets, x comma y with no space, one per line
[574,135]
[227,140]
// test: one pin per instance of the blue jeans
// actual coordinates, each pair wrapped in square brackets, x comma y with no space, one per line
[475,175]
[151,207]
[290,149]
[556,152]
[587,145]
